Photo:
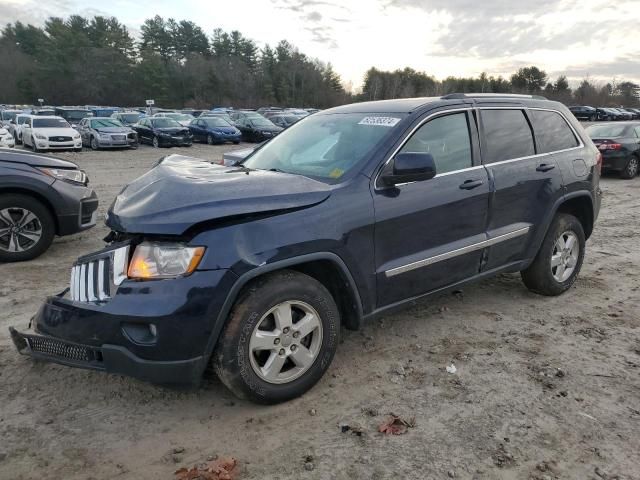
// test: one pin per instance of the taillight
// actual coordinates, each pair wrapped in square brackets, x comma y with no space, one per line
[599,162]
[610,146]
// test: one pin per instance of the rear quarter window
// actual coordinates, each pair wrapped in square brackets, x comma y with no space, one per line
[507,135]
[552,131]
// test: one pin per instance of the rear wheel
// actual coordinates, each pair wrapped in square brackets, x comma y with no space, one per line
[559,259]
[281,337]
[26,228]
[631,169]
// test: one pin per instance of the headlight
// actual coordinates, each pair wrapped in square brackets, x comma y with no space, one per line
[163,260]
[72,176]
[40,136]
[76,136]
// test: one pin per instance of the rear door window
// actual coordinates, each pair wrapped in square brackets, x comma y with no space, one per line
[552,131]
[507,135]
[447,139]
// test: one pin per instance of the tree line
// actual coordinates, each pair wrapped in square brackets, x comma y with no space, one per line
[97,61]
[379,85]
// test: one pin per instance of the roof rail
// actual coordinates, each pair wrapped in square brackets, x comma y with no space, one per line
[457,96]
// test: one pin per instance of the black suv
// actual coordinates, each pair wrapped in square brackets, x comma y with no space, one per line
[40,197]
[343,217]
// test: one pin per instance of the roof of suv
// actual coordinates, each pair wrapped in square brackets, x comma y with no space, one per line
[407,105]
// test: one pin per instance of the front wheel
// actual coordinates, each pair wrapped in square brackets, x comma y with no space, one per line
[34,147]
[631,169]
[155,142]
[209,139]
[559,259]
[26,228]
[94,144]
[280,338]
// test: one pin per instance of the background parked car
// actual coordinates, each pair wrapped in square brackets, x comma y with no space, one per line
[257,128]
[602,114]
[162,132]
[225,116]
[634,115]
[7,115]
[619,145]
[16,126]
[73,115]
[584,112]
[128,118]
[624,115]
[283,120]
[106,132]
[50,132]
[53,199]
[214,130]
[182,118]
[6,139]
[238,115]
[192,112]
[43,112]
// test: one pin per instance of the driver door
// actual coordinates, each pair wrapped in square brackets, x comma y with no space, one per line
[429,234]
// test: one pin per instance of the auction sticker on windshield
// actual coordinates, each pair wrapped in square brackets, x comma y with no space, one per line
[379,121]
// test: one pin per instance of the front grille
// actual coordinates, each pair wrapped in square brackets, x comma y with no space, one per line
[58,348]
[118,138]
[95,279]
[60,139]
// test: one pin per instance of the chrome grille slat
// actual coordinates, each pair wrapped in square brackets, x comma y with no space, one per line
[96,279]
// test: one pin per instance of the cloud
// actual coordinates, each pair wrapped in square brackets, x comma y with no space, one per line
[36,12]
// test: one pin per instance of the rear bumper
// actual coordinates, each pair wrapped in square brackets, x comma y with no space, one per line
[615,161]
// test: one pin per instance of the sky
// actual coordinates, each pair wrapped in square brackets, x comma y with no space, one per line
[576,38]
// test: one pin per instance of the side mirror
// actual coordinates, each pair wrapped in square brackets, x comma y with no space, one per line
[409,167]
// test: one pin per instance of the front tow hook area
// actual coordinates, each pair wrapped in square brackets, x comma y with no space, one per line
[18,340]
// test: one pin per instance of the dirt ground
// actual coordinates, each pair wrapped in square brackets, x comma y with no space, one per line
[545,388]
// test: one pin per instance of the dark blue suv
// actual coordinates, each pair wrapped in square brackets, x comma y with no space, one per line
[343,217]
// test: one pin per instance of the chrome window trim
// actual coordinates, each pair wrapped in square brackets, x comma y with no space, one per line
[426,119]
[455,253]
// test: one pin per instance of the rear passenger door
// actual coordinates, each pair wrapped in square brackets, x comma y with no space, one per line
[526,180]
[429,234]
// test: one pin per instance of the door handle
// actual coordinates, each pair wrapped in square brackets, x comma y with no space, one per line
[471,184]
[545,167]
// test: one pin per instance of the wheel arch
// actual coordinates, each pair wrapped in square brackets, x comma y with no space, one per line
[326,267]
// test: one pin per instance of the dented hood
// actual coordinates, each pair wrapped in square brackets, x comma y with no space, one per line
[183,191]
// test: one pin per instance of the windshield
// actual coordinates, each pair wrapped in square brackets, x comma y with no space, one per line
[76,114]
[165,123]
[50,123]
[606,131]
[325,146]
[130,117]
[260,122]
[105,122]
[216,122]
[180,117]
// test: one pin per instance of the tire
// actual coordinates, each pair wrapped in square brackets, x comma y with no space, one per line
[11,207]
[16,139]
[209,140]
[245,373]
[540,277]
[236,142]
[34,147]
[94,143]
[134,146]
[631,169]
[155,142]
[592,118]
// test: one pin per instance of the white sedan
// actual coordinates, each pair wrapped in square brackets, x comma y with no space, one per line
[6,139]
[50,133]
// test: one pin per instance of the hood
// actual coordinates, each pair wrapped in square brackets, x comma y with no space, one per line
[113,130]
[56,132]
[184,123]
[224,129]
[34,159]
[183,191]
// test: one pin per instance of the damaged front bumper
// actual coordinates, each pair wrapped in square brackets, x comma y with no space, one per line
[157,331]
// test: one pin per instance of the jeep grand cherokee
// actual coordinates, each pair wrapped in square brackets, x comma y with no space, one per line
[345,216]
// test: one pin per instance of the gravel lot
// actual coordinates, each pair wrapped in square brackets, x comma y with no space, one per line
[545,388]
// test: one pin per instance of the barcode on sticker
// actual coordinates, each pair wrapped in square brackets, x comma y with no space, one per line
[379,121]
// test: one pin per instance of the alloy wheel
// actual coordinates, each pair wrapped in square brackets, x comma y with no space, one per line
[632,167]
[155,142]
[20,230]
[564,258]
[209,139]
[285,342]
